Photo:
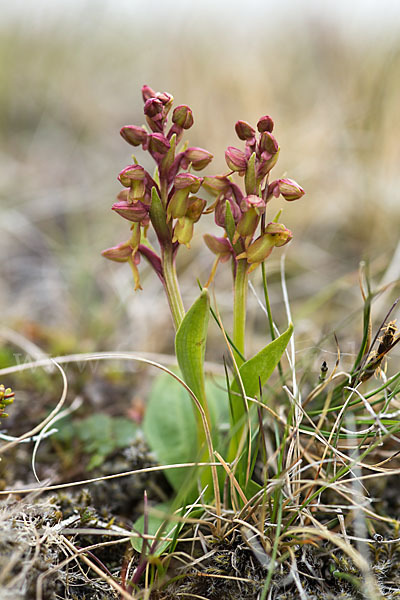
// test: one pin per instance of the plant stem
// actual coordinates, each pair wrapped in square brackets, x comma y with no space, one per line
[269,312]
[239,309]
[171,286]
[267,303]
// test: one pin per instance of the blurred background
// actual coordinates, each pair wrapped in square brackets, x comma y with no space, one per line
[70,77]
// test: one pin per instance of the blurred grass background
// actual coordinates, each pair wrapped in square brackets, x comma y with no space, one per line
[70,77]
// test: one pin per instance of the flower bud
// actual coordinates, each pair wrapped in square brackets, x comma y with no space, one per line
[148,92]
[165,98]
[155,117]
[188,181]
[134,135]
[253,201]
[158,143]
[265,124]
[217,184]
[137,213]
[236,160]
[195,208]
[268,144]
[198,157]
[6,397]
[119,253]
[289,189]
[244,131]
[219,245]
[220,211]
[183,116]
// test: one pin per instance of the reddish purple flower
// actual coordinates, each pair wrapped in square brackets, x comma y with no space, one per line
[245,131]
[288,188]
[137,212]
[135,136]
[236,160]
[265,124]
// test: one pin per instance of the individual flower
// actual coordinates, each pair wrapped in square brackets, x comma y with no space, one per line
[184,184]
[134,135]
[245,131]
[288,188]
[265,124]
[275,234]
[220,246]
[236,160]
[252,208]
[119,253]
[137,212]
[133,177]
[183,230]
[197,157]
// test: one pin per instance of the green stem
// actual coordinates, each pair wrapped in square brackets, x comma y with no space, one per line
[239,328]
[171,286]
[239,309]
[267,303]
[269,312]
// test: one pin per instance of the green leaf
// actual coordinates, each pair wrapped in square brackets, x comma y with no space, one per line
[229,221]
[261,366]
[99,434]
[158,217]
[155,522]
[170,427]
[190,344]
[250,176]
[254,371]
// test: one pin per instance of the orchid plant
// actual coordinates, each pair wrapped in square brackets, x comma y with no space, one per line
[169,201]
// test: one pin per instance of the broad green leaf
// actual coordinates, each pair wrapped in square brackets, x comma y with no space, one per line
[170,427]
[260,367]
[190,344]
[254,371]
